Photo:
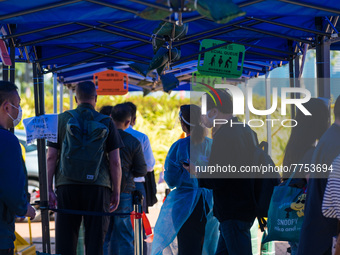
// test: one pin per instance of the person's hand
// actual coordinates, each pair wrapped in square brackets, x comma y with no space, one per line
[114,201]
[30,212]
[52,199]
[190,168]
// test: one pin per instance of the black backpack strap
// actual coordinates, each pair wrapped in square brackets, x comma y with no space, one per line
[101,117]
[74,114]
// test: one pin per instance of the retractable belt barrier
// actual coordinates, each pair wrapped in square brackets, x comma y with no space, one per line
[91,213]
[138,218]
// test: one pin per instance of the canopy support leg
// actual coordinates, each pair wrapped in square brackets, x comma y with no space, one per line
[61,97]
[55,93]
[323,63]
[269,124]
[247,116]
[38,81]
[12,70]
[291,84]
[71,98]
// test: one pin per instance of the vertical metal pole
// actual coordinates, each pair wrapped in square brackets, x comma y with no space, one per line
[296,77]
[323,69]
[12,71]
[291,80]
[303,61]
[268,104]
[71,98]
[246,98]
[55,93]
[12,68]
[4,72]
[61,97]
[39,99]
[297,74]
[36,89]
[138,233]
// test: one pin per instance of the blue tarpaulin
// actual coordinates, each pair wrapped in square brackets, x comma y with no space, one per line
[59,35]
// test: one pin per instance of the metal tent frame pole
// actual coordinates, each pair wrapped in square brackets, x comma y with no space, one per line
[291,84]
[323,69]
[55,93]
[5,72]
[91,59]
[269,127]
[297,74]
[39,99]
[247,115]
[38,9]
[61,97]
[12,70]
[71,97]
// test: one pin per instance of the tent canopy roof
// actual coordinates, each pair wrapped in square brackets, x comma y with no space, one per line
[59,35]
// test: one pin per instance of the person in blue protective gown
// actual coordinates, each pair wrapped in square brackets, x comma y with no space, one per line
[187,210]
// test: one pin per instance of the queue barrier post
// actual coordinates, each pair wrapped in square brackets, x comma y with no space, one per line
[138,226]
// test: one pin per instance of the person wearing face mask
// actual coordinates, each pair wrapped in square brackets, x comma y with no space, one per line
[233,145]
[13,199]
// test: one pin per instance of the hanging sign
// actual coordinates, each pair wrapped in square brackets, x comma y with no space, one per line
[226,61]
[5,58]
[111,83]
[42,127]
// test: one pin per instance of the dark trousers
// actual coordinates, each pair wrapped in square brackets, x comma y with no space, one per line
[7,252]
[191,235]
[234,238]
[85,198]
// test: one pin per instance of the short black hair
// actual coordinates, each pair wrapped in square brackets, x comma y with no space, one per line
[6,90]
[337,108]
[106,110]
[121,113]
[226,99]
[85,90]
[133,109]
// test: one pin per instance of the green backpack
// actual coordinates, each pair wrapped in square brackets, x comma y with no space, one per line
[83,147]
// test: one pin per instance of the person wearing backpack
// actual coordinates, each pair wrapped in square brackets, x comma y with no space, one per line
[234,205]
[120,236]
[317,231]
[86,165]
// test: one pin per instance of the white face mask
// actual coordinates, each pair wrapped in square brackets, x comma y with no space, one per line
[17,120]
[207,121]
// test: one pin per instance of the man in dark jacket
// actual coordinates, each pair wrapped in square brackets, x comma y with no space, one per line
[317,230]
[234,206]
[13,199]
[119,239]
